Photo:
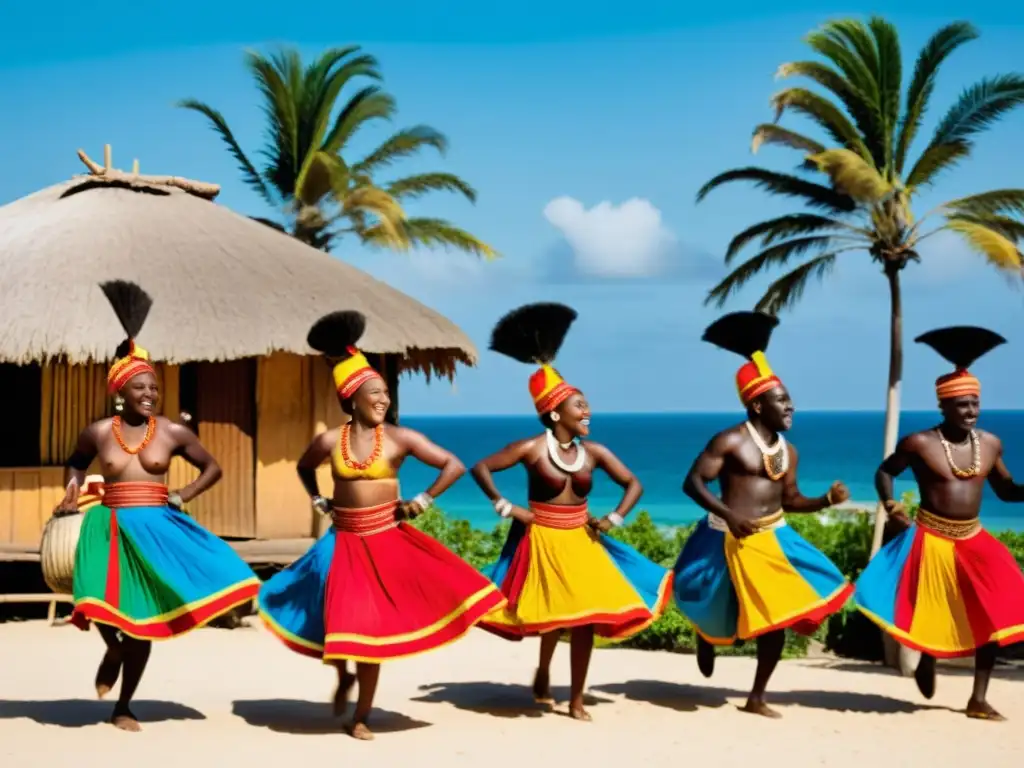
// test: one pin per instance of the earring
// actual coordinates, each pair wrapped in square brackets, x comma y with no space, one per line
[555,416]
[118,403]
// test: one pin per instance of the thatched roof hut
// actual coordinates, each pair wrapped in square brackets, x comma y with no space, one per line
[233,300]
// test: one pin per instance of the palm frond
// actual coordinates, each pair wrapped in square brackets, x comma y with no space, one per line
[814,195]
[249,173]
[934,160]
[769,133]
[323,82]
[367,104]
[276,79]
[405,143]
[978,107]
[773,256]
[825,42]
[998,249]
[788,289]
[1010,228]
[890,86]
[938,48]
[825,114]
[776,229]
[996,201]
[433,233]
[852,175]
[322,174]
[423,183]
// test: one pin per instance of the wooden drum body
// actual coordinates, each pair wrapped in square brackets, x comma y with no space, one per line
[57,551]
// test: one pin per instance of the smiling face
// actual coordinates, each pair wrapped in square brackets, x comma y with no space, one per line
[961,412]
[141,395]
[775,409]
[574,415]
[370,403]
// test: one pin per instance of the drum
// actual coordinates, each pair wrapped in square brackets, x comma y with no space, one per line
[57,551]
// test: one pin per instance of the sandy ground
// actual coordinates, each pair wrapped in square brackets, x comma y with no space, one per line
[216,695]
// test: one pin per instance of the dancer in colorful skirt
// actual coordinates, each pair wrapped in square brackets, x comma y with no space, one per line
[945,586]
[557,568]
[373,588]
[143,570]
[744,573]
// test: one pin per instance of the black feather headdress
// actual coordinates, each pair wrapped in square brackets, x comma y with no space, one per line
[533,333]
[961,345]
[335,335]
[747,334]
[131,305]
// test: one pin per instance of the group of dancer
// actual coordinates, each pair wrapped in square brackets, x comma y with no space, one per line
[373,588]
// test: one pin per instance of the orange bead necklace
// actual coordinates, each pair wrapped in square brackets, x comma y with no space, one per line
[150,432]
[345,446]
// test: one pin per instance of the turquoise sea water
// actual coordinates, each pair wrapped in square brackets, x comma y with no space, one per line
[660,448]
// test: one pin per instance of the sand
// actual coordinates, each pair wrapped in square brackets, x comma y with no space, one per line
[215,696]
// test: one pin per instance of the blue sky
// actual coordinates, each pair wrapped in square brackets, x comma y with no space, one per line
[559,114]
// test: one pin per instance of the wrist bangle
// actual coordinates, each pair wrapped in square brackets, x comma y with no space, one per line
[616,519]
[503,507]
[423,500]
[321,504]
[828,497]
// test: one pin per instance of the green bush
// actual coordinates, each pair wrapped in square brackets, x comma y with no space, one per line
[844,537]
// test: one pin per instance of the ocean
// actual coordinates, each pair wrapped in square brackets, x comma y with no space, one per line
[659,448]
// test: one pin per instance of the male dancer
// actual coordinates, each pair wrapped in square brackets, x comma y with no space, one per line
[743,573]
[945,586]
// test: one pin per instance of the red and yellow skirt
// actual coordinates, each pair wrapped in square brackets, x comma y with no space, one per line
[373,589]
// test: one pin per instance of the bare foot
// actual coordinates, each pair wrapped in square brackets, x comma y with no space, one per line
[542,688]
[124,720]
[705,657]
[924,676]
[340,702]
[360,731]
[757,707]
[577,712]
[108,672]
[982,710]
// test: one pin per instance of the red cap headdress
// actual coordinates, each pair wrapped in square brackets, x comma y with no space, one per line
[131,305]
[961,345]
[534,333]
[335,335]
[747,334]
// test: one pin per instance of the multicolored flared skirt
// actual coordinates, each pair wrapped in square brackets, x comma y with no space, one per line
[372,590]
[944,587]
[559,573]
[151,571]
[737,589]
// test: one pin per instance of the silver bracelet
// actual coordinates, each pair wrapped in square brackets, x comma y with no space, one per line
[616,519]
[424,501]
[321,505]
[503,507]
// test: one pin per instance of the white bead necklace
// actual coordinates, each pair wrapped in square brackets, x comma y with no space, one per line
[775,466]
[556,458]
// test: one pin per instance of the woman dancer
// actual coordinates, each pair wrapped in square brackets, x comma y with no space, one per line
[371,589]
[143,569]
[556,569]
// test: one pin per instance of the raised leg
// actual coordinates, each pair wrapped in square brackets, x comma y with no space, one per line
[705,657]
[580,649]
[769,651]
[368,675]
[135,656]
[978,707]
[110,666]
[924,675]
[542,680]
[345,682]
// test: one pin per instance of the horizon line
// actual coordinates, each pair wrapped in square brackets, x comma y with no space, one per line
[689,413]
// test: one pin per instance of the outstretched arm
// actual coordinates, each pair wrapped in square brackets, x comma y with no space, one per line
[315,455]
[418,446]
[189,448]
[794,501]
[1002,482]
[76,467]
[626,480]
[507,457]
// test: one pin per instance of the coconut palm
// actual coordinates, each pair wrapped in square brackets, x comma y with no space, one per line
[863,203]
[305,175]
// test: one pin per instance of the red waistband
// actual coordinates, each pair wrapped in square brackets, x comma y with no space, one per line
[134,493]
[365,521]
[562,516]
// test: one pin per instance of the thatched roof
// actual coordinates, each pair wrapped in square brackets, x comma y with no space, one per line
[223,285]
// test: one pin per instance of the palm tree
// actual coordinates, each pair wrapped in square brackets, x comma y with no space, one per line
[864,203]
[304,174]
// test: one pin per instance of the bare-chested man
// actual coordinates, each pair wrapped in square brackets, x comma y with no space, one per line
[143,569]
[743,573]
[945,586]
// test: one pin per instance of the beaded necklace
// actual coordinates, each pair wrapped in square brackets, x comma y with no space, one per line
[344,446]
[776,459]
[947,447]
[119,436]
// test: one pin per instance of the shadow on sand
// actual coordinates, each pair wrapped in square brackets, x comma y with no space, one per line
[79,713]
[688,698]
[498,699]
[298,716]
[945,669]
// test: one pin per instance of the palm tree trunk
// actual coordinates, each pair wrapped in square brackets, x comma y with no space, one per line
[897,656]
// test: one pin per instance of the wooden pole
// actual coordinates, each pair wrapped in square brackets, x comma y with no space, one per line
[108,157]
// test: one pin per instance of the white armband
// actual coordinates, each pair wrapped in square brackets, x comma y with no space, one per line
[424,501]
[616,519]
[503,507]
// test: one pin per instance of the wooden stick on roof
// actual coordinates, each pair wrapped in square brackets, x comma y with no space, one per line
[107,171]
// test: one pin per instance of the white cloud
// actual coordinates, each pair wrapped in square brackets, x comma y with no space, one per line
[628,240]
